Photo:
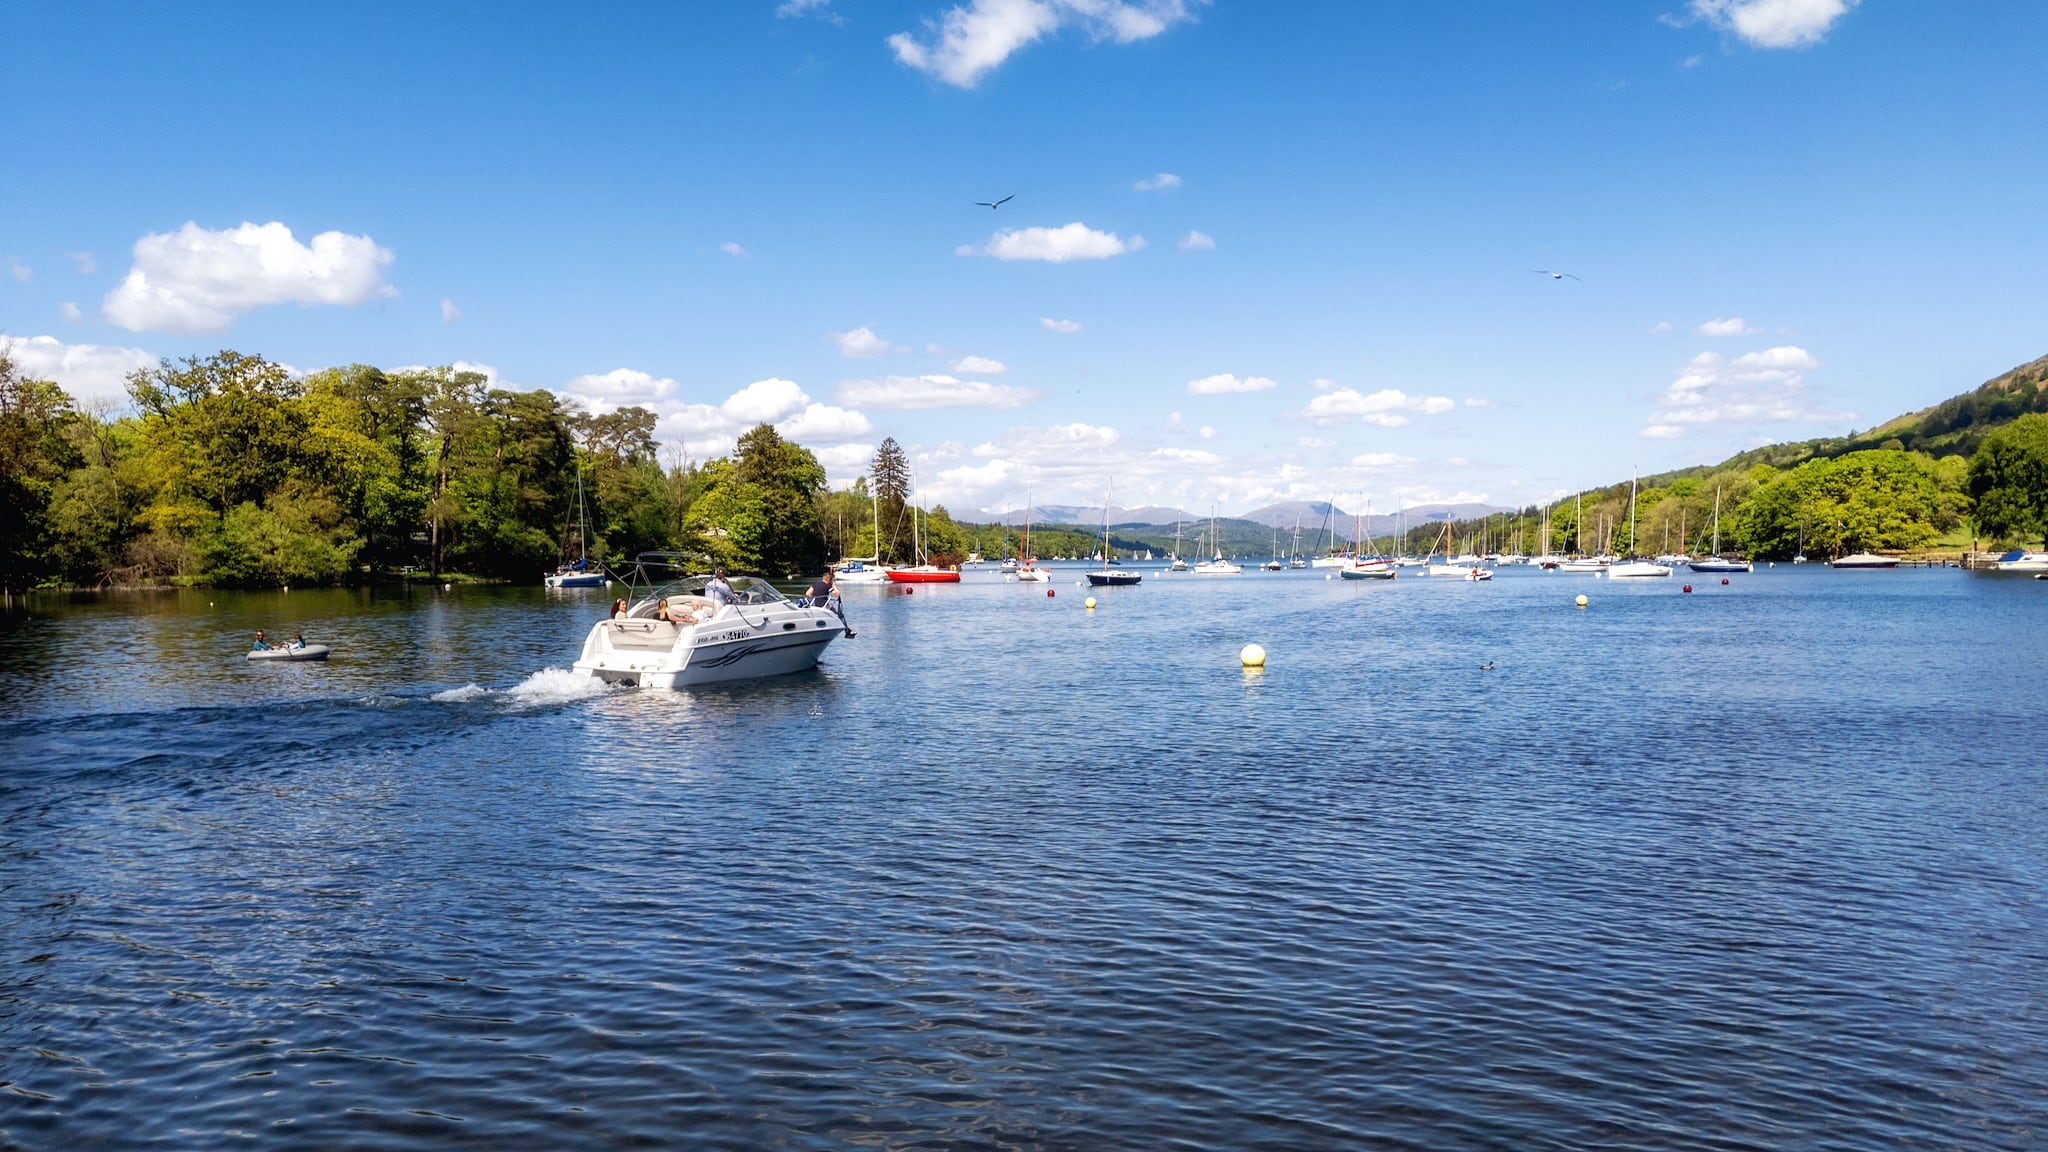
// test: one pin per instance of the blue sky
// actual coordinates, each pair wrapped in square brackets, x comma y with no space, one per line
[1255,252]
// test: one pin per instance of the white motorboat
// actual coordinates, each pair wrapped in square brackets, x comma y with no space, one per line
[1865,560]
[290,652]
[859,572]
[760,633]
[2020,560]
[1217,567]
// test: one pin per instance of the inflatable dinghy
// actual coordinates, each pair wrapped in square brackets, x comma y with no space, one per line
[308,652]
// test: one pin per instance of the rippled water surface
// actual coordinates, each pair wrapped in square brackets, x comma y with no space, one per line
[1755,867]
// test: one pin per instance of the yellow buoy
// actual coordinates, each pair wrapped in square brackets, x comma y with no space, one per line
[1581,601]
[1252,656]
[1088,603]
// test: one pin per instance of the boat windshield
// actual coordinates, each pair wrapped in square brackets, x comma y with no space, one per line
[752,591]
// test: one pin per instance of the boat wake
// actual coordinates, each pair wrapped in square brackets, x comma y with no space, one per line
[547,686]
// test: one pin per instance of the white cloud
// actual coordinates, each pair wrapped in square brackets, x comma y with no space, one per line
[71,311]
[713,429]
[1159,183]
[1765,387]
[92,373]
[1475,402]
[861,344]
[1075,241]
[1188,456]
[789,8]
[1774,23]
[1692,61]
[979,366]
[21,271]
[1197,242]
[1374,461]
[970,41]
[616,389]
[197,280]
[1205,432]
[912,392]
[82,262]
[1730,326]
[826,423]
[1224,384]
[1317,442]
[1383,408]
[1066,326]
[733,249]
[449,312]
[1659,327]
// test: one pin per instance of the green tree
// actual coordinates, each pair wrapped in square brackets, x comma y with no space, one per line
[759,511]
[33,457]
[890,474]
[2008,477]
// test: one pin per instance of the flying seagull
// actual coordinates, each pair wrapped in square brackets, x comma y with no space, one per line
[996,204]
[1552,275]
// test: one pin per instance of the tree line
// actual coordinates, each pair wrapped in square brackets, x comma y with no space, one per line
[230,470]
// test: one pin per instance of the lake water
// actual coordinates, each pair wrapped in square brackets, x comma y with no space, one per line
[1756,867]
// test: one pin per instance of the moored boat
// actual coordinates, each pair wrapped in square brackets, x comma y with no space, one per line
[290,652]
[1865,560]
[2020,560]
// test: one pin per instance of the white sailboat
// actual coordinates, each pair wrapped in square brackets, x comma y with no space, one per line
[1715,562]
[865,569]
[1634,568]
[1217,565]
[579,574]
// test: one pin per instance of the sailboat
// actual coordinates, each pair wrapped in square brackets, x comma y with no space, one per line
[1582,564]
[579,574]
[1274,564]
[1294,559]
[865,569]
[1366,565]
[924,571]
[1179,563]
[1108,576]
[1217,566]
[1028,571]
[1715,562]
[1634,567]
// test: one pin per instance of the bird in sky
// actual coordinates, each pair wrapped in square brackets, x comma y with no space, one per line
[1554,275]
[996,203]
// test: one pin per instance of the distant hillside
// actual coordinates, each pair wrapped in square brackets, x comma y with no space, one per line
[1953,427]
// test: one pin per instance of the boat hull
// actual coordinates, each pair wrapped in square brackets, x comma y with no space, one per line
[1637,570]
[736,645]
[1113,579]
[1367,572]
[1866,560]
[576,580]
[924,575]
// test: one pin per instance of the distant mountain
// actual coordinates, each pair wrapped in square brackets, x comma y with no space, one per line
[1310,514]
[1087,514]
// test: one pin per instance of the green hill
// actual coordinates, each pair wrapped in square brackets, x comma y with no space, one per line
[1953,427]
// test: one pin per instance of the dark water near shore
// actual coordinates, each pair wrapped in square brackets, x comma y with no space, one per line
[1756,867]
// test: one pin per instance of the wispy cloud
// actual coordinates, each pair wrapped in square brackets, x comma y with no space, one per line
[1066,326]
[1224,384]
[979,366]
[861,344]
[968,42]
[1766,387]
[82,262]
[1387,408]
[932,391]
[198,280]
[21,271]
[733,249]
[1197,242]
[1730,326]
[1075,241]
[71,312]
[1660,327]
[1774,23]
[449,312]
[1160,183]
[712,429]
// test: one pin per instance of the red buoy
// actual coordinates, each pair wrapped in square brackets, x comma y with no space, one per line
[1688,587]
[1724,579]
[1048,592]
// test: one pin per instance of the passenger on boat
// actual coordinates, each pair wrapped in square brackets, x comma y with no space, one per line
[718,591]
[261,644]
[619,608]
[298,640]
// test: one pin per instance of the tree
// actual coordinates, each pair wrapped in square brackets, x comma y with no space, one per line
[759,510]
[2009,480]
[33,455]
[890,474]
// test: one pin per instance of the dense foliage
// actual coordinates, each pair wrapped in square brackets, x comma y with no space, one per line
[232,470]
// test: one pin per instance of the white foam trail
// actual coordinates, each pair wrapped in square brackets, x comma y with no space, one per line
[554,685]
[460,695]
